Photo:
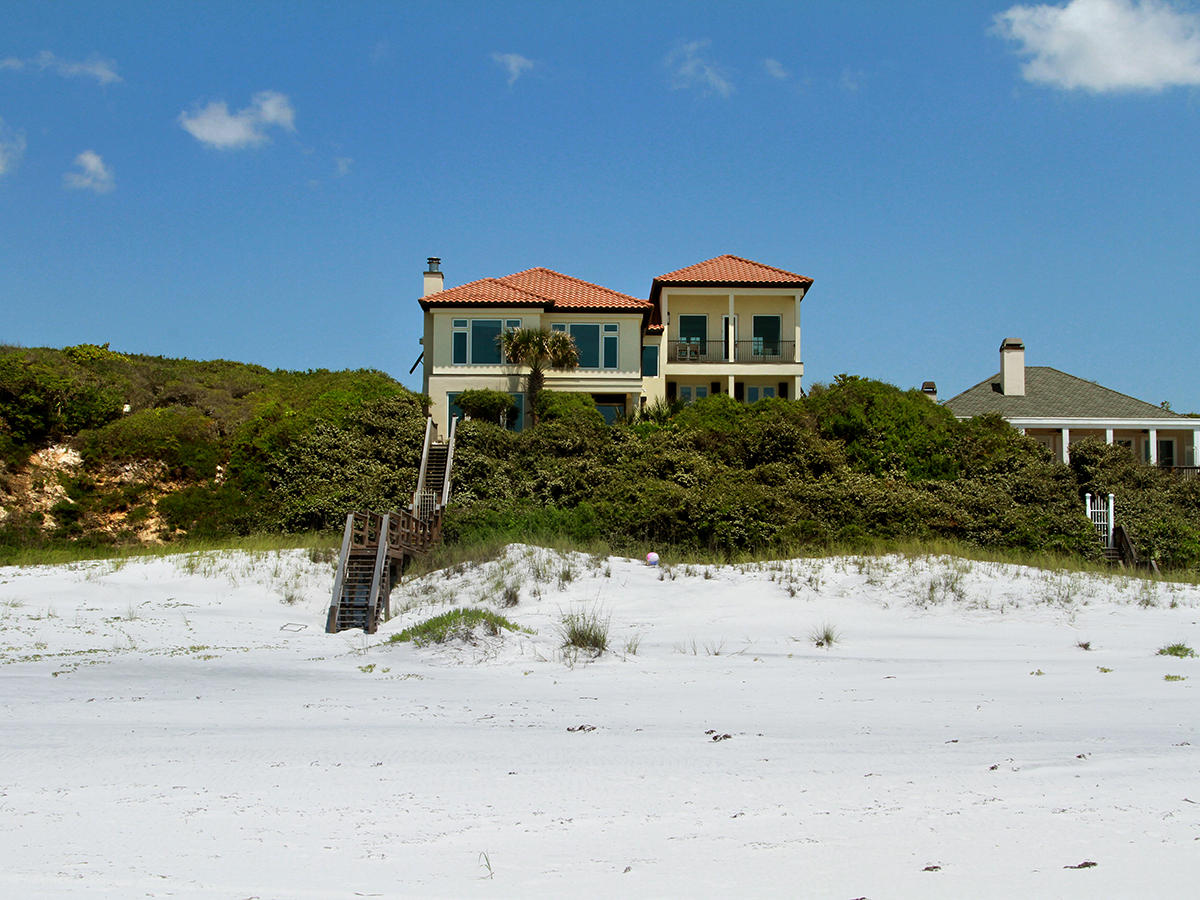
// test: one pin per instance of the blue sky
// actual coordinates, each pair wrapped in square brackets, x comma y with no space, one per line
[263,181]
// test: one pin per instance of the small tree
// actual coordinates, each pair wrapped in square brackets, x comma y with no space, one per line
[538,349]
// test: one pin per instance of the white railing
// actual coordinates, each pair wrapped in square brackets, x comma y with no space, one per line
[1100,511]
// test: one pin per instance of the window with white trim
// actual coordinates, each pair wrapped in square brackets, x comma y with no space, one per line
[476,342]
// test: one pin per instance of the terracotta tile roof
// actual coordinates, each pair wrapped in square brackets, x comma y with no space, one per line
[1051,394]
[485,292]
[730,269]
[536,287]
[565,292]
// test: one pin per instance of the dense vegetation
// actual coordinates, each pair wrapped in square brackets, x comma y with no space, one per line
[219,448]
[207,448]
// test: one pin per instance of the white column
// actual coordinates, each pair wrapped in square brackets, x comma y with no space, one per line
[799,297]
[1153,438]
[1108,435]
[1195,449]
[1112,511]
[665,352]
[1022,431]
[730,388]
[1066,445]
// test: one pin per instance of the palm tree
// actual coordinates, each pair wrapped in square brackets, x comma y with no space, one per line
[538,349]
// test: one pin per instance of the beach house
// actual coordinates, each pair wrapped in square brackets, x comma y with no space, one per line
[727,325]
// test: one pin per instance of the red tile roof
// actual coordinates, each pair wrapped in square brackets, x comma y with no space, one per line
[566,292]
[735,270]
[485,292]
[536,287]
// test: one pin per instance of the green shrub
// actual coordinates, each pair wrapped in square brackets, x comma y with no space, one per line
[568,405]
[183,438]
[489,406]
[1180,650]
[585,629]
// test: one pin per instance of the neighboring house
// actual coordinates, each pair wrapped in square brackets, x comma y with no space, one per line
[727,325]
[1057,408]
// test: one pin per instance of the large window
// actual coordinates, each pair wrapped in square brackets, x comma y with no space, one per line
[693,331]
[598,344]
[766,335]
[476,342]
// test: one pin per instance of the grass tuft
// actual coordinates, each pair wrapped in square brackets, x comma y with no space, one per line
[585,629]
[455,624]
[825,635]
[1180,650]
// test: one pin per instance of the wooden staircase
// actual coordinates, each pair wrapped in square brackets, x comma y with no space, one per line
[376,549]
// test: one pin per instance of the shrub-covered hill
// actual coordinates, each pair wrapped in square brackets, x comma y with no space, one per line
[220,448]
[854,461]
[148,447]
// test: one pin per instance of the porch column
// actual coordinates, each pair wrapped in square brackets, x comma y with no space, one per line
[1108,435]
[1021,431]
[1066,445]
[729,389]
[1153,438]
[796,354]
[665,353]
[1195,449]
[730,333]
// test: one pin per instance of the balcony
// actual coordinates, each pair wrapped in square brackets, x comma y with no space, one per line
[758,350]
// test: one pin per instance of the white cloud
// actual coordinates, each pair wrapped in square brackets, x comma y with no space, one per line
[12,148]
[93,174]
[103,70]
[216,126]
[775,69]
[851,80]
[1105,45]
[514,64]
[691,68]
[343,164]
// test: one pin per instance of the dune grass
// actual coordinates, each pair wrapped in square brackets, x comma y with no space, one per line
[73,553]
[455,624]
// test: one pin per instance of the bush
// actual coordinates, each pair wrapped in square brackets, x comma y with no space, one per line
[488,406]
[569,405]
[183,438]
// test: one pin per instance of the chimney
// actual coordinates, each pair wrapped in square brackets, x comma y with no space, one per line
[434,279]
[1012,368]
[929,389]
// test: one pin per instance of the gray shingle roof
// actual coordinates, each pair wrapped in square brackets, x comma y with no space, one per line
[1050,393]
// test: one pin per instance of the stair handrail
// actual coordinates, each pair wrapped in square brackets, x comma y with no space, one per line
[424,461]
[449,461]
[340,577]
[381,555]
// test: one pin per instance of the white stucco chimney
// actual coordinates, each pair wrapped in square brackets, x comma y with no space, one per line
[1012,368]
[929,389]
[434,280]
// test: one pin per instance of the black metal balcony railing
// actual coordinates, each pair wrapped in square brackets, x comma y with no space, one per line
[757,350]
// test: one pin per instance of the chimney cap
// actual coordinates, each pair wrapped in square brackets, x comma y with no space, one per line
[929,387]
[1012,344]
[434,263]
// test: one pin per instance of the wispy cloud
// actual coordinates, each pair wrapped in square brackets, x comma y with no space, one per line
[514,64]
[691,67]
[775,69]
[342,165]
[216,126]
[851,80]
[91,174]
[1105,45]
[12,148]
[103,70]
